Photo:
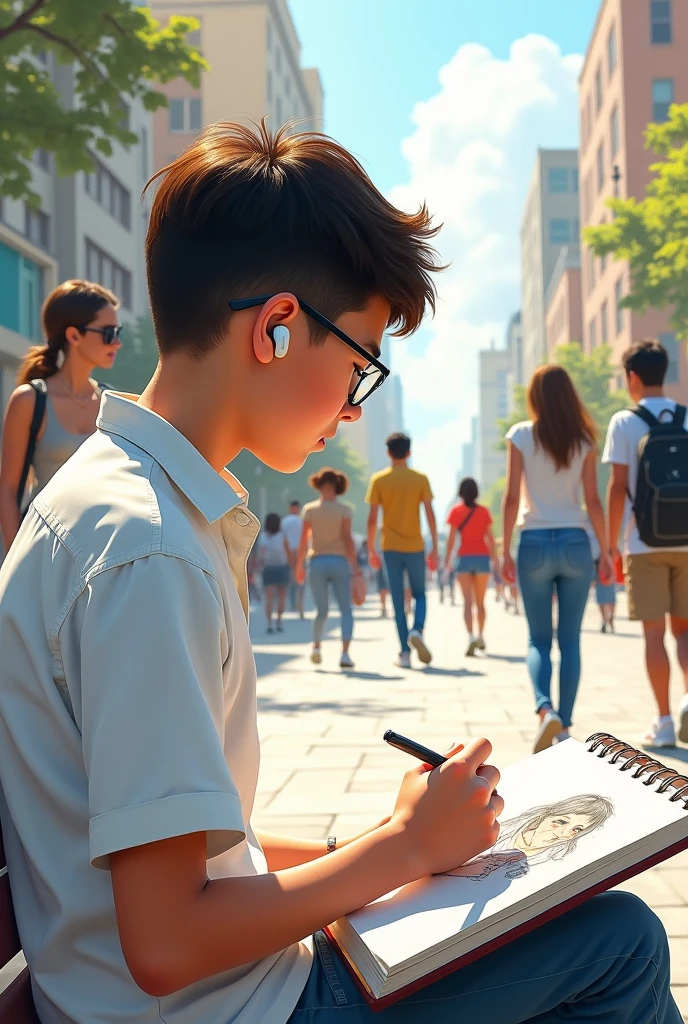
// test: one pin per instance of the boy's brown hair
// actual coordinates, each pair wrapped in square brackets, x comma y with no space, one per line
[244,212]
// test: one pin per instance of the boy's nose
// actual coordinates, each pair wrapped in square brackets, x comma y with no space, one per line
[351,413]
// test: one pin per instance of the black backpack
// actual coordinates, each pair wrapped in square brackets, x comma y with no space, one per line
[661,497]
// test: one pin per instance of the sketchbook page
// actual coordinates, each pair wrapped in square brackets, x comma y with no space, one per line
[565,809]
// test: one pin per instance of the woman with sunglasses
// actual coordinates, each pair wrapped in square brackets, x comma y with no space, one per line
[81,331]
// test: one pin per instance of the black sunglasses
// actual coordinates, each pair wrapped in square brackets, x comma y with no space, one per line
[110,334]
[367,380]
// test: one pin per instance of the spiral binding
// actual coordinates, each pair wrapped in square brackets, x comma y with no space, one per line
[644,763]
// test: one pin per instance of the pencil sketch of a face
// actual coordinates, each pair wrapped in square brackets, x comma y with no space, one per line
[548,832]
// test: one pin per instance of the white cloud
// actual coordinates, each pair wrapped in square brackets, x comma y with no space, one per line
[470,158]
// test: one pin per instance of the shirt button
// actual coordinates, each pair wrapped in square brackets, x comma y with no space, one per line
[241,519]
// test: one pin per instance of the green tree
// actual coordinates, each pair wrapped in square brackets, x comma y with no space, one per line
[116,49]
[652,233]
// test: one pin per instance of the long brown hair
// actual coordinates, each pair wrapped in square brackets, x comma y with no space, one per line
[562,426]
[71,304]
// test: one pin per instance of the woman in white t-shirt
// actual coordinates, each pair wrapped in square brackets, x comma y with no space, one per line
[275,561]
[550,458]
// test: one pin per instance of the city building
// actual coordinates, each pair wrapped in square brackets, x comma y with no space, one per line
[384,415]
[255,70]
[494,372]
[87,225]
[635,67]
[563,307]
[550,221]
[514,344]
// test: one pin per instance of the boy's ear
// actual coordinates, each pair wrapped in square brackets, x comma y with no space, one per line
[280,309]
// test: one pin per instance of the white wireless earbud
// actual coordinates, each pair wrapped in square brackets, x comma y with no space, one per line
[280,336]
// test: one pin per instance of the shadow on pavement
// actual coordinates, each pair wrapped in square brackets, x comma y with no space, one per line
[270,661]
[461,673]
[513,659]
[677,753]
[337,704]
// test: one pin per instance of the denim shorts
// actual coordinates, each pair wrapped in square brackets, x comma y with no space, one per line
[476,565]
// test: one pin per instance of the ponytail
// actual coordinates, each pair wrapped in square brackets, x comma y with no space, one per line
[41,361]
[71,304]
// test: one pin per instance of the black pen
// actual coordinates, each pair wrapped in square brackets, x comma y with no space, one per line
[414,749]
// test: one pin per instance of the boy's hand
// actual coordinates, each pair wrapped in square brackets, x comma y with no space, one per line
[300,575]
[433,560]
[374,560]
[448,815]
[508,569]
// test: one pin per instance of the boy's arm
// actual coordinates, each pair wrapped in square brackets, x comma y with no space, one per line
[373,553]
[287,851]
[177,927]
[302,552]
[432,526]
[616,503]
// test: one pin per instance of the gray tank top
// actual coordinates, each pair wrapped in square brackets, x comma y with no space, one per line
[54,448]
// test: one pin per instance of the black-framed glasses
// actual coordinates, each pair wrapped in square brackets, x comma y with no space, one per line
[364,381]
[110,334]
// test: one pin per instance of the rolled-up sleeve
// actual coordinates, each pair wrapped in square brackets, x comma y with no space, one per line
[152,642]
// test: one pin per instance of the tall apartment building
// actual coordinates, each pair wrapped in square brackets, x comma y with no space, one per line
[494,371]
[550,221]
[635,67]
[88,225]
[563,306]
[384,415]
[514,344]
[255,70]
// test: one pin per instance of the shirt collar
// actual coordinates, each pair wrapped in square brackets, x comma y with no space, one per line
[212,493]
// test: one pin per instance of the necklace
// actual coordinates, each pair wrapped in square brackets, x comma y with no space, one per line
[82,400]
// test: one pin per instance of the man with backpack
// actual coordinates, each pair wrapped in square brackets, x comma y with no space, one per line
[647,448]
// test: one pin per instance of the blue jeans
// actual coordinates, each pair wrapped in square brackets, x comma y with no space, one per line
[414,564]
[335,570]
[606,960]
[549,561]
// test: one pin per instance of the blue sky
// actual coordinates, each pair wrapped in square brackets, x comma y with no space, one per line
[448,100]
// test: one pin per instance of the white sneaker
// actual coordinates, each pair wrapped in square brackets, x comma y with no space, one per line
[683,719]
[415,638]
[660,734]
[345,660]
[404,660]
[480,644]
[472,646]
[316,656]
[550,727]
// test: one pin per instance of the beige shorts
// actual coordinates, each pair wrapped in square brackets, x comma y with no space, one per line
[657,584]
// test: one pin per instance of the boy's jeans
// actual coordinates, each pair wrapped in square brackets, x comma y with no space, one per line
[414,564]
[606,961]
[552,561]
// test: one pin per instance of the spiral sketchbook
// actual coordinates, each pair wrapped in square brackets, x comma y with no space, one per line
[578,819]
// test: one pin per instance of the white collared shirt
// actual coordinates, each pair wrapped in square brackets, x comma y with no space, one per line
[128,714]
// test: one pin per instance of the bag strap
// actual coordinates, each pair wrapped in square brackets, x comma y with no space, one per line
[646,415]
[467,519]
[679,416]
[39,386]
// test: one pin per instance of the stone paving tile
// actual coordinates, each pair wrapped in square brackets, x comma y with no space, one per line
[325,769]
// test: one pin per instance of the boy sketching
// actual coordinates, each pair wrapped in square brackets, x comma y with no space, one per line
[128,740]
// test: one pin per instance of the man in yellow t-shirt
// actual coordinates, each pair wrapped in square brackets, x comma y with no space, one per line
[400,491]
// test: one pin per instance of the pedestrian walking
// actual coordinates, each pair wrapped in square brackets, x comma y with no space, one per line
[549,459]
[328,540]
[476,556]
[275,562]
[292,526]
[654,437]
[54,408]
[400,491]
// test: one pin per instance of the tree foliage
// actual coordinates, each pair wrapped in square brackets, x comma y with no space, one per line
[652,233]
[136,360]
[116,50]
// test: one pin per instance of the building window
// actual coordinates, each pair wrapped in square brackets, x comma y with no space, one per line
[604,322]
[590,260]
[194,38]
[660,22]
[588,106]
[575,235]
[618,296]
[125,115]
[559,231]
[671,344]
[603,259]
[42,159]
[574,179]
[662,98]
[592,334]
[600,167]
[611,51]
[102,186]
[185,115]
[104,270]
[614,131]
[37,227]
[558,179]
[598,89]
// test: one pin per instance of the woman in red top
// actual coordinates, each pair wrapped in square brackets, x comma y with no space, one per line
[474,523]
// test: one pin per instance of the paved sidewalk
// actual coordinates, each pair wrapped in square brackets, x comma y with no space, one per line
[325,769]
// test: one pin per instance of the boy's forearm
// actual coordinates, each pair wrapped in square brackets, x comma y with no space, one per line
[283,852]
[372,532]
[234,921]
[616,501]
